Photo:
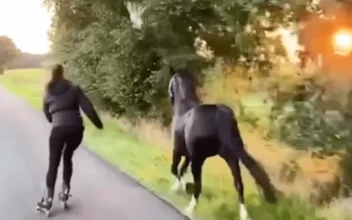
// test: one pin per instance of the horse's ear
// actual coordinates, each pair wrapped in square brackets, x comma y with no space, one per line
[172,70]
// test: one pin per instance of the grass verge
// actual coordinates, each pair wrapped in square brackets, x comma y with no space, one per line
[150,164]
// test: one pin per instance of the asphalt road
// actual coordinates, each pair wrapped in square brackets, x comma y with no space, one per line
[99,191]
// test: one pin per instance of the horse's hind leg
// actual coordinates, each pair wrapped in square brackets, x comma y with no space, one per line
[196,166]
[234,165]
[176,159]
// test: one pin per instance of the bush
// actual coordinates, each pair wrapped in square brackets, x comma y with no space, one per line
[303,125]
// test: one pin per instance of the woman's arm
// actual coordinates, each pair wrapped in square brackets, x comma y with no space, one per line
[46,111]
[88,108]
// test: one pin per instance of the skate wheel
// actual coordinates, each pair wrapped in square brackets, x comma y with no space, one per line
[39,210]
[45,213]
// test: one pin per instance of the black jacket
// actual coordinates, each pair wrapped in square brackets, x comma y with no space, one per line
[62,102]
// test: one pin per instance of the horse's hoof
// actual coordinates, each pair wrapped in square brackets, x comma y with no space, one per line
[190,208]
[189,188]
[188,213]
[243,212]
[176,186]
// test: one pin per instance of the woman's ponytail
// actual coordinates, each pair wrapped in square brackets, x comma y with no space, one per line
[57,74]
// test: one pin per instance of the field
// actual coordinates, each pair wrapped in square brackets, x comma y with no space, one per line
[144,153]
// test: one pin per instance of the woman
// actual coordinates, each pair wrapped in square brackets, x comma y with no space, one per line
[62,102]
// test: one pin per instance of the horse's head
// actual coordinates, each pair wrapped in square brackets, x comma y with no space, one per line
[182,86]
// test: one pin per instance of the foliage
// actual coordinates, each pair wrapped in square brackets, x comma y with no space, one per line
[8,51]
[304,124]
[126,68]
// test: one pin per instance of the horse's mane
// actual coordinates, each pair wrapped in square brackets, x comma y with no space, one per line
[189,82]
[186,74]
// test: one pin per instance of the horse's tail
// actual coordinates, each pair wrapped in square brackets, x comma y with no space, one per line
[235,144]
[258,173]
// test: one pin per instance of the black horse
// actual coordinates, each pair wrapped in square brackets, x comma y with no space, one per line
[205,130]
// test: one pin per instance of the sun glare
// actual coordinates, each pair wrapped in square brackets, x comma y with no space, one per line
[343,42]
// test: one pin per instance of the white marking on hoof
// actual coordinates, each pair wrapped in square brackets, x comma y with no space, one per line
[190,208]
[177,185]
[243,212]
[183,184]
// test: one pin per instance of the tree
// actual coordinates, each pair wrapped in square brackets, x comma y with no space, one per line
[124,63]
[28,60]
[8,51]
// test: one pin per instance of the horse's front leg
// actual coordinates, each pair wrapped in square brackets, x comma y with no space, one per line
[184,166]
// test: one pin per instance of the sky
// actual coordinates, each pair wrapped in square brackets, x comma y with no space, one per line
[27,23]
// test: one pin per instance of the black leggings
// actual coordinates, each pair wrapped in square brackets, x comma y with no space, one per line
[63,141]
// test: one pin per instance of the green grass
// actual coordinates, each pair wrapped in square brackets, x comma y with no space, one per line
[150,165]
